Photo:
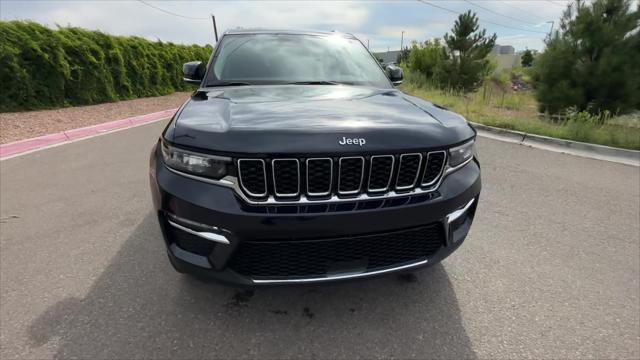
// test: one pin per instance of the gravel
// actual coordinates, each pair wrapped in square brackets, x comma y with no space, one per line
[16,126]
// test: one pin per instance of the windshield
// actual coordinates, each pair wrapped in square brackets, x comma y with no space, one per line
[287,58]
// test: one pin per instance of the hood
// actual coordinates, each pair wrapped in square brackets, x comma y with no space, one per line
[313,119]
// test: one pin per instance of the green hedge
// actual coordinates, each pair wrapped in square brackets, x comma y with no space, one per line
[45,68]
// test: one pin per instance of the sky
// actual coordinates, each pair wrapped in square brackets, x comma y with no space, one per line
[519,23]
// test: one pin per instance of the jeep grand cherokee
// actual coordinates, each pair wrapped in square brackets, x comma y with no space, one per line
[297,161]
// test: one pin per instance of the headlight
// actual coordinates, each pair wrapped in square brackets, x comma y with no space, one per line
[210,166]
[458,155]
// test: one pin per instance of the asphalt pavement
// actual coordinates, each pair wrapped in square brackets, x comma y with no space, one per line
[551,269]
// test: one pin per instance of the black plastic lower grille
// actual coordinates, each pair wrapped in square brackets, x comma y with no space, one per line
[310,258]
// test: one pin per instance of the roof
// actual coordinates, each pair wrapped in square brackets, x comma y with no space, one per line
[285,31]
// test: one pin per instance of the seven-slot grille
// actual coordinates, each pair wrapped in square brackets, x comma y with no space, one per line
[320,178]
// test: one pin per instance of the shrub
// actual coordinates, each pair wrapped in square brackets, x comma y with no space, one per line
[592,63]
[427,58]
[45,68]
[527,58]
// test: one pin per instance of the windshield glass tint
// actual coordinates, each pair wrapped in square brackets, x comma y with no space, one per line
[277,59]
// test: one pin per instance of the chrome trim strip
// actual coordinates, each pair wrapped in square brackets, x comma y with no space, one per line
[393,162]
[232,183]
[205,235]
[264,176]
[350,192]
[426,164]
[273,176]
[417,172]
[330,177]
[458,213]
[337,277]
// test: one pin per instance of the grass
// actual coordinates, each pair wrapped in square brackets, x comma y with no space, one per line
[496,105]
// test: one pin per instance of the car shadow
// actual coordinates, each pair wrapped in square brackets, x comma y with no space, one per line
[140,307]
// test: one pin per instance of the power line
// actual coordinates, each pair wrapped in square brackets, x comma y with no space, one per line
[555,3]
[486,21]
[172,13]
[439,7]
[497,13]
[506,2]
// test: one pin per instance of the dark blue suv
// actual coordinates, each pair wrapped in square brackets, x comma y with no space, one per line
[297,161]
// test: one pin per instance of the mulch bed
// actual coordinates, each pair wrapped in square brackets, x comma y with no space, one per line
[16,126]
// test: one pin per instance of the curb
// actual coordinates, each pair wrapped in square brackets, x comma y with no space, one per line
[592,151]
[40,142]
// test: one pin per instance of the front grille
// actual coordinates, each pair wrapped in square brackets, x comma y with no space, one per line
[408,171]
[289,179]
[253,177]
[319,176]
[351,175]
[433,170]
[380,172]
[312,258]
[286,177]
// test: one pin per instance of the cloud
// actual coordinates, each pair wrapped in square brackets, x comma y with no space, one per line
[521,42]
[136,18]
[418,33]
[381,22]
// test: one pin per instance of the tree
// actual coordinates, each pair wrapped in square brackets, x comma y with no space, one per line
[467,64]
[591,63]
[527,58]
[403,55]
[427,58]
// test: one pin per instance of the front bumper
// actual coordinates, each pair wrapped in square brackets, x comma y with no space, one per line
[217,218]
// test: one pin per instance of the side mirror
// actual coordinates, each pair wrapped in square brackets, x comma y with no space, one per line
[395,74]
[193,72]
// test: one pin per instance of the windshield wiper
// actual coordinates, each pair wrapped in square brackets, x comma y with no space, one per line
[229,83]
[320,82]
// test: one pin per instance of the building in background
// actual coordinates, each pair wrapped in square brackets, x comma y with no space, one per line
[387,56]
[503,50]
[505,56]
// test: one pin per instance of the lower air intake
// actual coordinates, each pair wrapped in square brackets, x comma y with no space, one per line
[314,258]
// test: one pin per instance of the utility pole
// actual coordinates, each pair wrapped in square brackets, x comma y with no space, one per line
[401,39]
[368,45]
[551,31]
[215,28]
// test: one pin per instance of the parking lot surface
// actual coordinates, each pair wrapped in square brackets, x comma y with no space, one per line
[551,269]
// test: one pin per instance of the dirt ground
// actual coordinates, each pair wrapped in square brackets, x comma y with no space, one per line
[16,126]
